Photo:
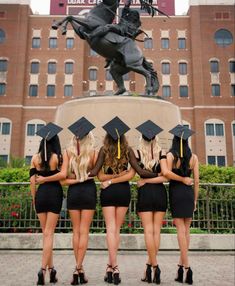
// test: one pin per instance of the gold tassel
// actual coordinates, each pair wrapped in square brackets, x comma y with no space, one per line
[181,146]
[119,148]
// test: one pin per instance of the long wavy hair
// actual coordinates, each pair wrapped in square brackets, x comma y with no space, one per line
[52,147]
[111,152]
[78,164]
[187,154]
[146,153]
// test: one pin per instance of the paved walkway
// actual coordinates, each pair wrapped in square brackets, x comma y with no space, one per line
[19,268]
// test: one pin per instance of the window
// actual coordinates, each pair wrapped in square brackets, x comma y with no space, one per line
[2,36]
[34,67]
[50,90]
[234,129]
[181,43]
[69,43]
[6,128]
[166,91]
[223,37]
[148,43]
[165,68]
[221,161]
[69,68]
[210,129]
[51,68]
[216,129]
[92,74]
[215,90]
[28,160]
[214,66]
[68,90]
[93,53]
[183,91]
[232,66]
[33,90]
[4,158]
[165,43]
[30,129]
[125,76]
[219,129]
[36,43]
[108,75]
[211,160]
[182,68]
[53,43]
[3,65]
[2,88]
[232,89]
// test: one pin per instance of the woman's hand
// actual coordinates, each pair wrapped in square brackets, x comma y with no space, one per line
[140,183]
[195,205]
[187,181]
[105,184]
[40,179]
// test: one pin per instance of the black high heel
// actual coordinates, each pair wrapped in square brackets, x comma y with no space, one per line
[82,277]
[109,274]
[180,274]
[189,276]
[157,274]
[75,277]
[53,278]
[148,274]
[41,278]
[116,275]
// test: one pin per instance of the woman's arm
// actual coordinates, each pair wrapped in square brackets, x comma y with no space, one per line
[134,164]
[60,175]
[32,180]
[166,168]
[157,180]
[126,177]
[98,165]
[196,180]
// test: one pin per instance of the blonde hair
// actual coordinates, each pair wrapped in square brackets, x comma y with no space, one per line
[79,163]
[146,153]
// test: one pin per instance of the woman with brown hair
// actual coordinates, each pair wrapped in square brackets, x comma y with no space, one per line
[78,159]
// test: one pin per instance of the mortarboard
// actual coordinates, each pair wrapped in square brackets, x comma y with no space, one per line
[116,128]
[81,127]
[47,132]
[149,130]
[182,132]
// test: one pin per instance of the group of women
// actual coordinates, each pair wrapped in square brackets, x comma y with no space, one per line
[115,165]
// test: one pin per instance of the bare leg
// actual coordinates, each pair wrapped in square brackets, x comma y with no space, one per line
[182,240]
[119,218]
[157,224]
[75,216]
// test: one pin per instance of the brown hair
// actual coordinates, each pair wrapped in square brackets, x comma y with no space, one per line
[111,152]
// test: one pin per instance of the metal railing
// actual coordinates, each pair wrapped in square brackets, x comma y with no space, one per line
[215,211]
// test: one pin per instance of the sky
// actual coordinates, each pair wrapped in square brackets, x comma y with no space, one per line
[43,6]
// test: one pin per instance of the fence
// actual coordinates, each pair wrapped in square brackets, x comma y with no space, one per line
[215,211]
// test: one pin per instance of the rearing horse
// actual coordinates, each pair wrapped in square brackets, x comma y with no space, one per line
[124,54]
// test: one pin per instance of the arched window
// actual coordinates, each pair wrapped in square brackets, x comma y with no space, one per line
[2,36]
[148,43]
[5,139]
[223,37]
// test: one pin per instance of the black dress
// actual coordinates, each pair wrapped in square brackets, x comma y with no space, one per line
[49,195]
[152,197]
[181,197]
[117,195]
[82,196]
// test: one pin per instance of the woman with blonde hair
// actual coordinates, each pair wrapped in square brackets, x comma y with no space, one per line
[78,159]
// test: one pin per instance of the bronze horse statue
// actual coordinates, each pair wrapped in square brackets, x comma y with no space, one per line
[120,49]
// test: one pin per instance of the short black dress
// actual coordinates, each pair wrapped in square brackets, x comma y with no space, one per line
[152,197]
[117,195]
[49,195]
[181,197]
[82,196]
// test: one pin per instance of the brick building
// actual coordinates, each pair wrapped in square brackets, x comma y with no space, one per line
[193,54]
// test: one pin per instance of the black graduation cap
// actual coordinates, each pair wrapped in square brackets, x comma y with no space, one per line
[116,128]
[182,131]
[81,127]
[49,131]
[149,130]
